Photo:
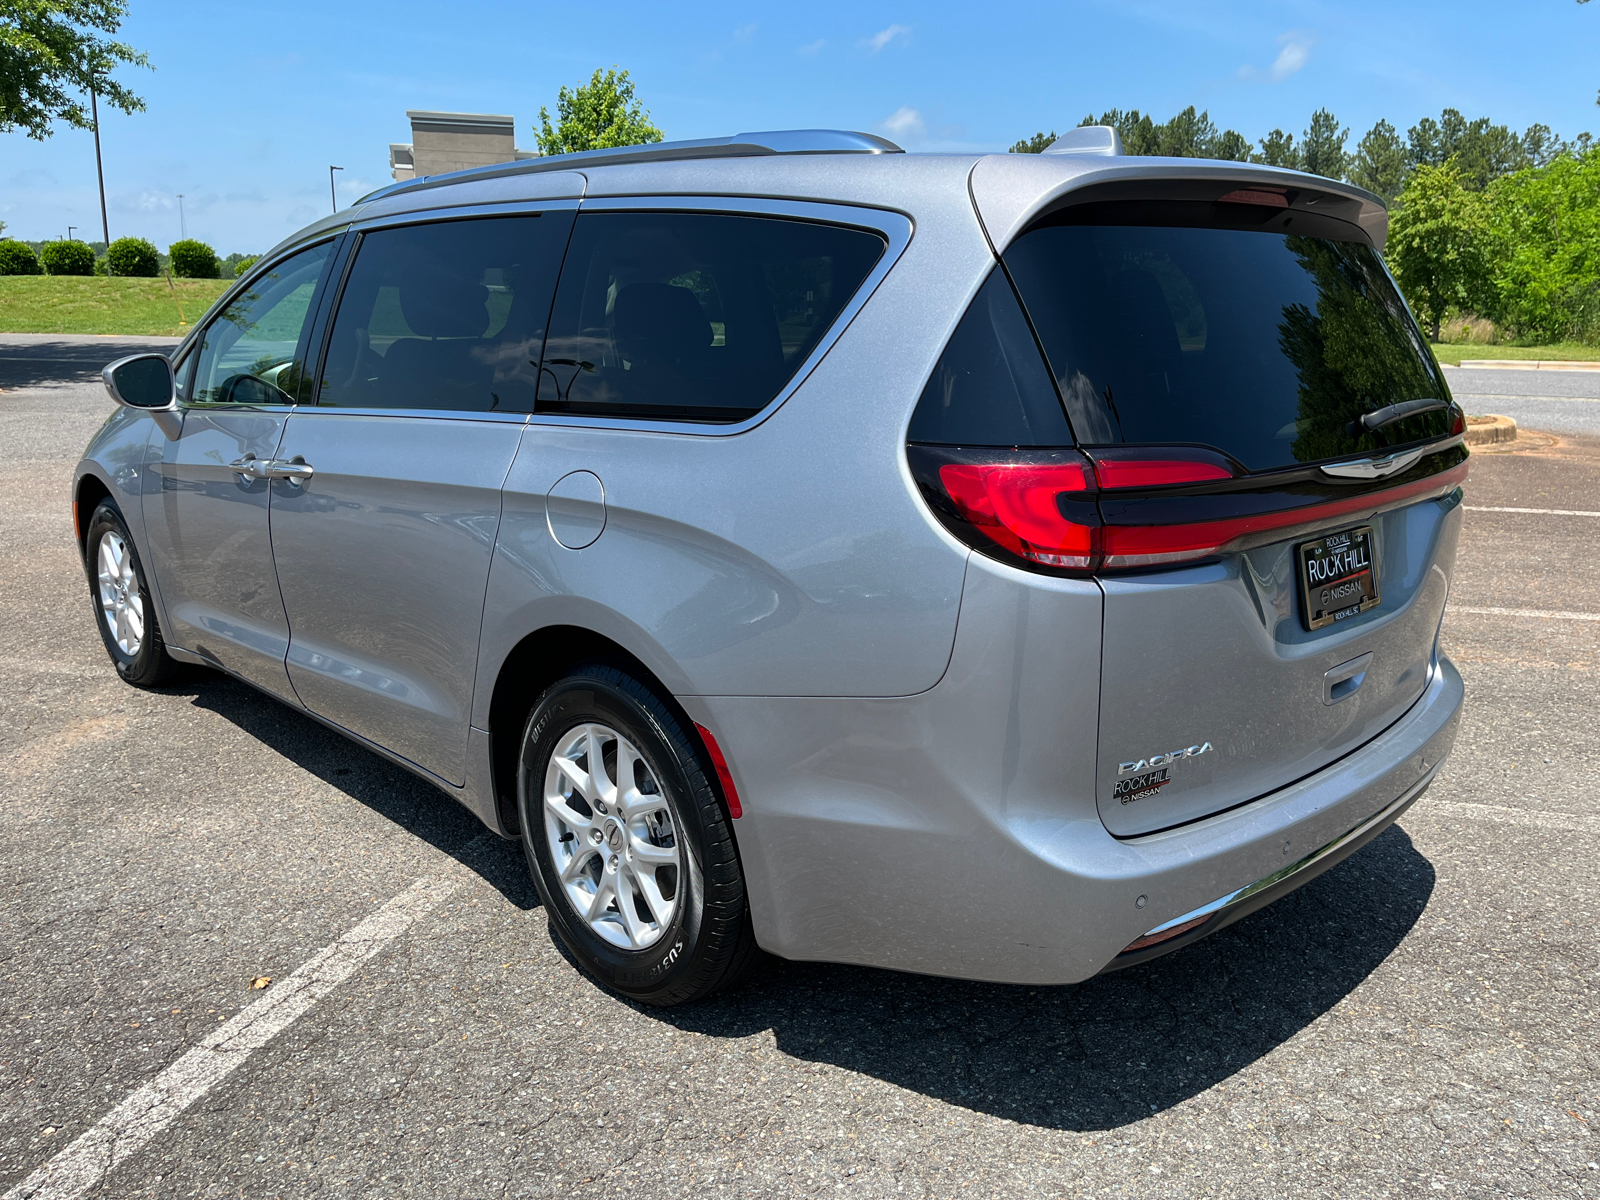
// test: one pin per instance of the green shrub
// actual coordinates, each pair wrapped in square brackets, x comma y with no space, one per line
[193,259]
[243,262]
[100,266]
[133,256]
[16,258]
[67,258]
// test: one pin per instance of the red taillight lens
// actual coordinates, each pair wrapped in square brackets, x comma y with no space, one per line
[1017,505]
[1149,472]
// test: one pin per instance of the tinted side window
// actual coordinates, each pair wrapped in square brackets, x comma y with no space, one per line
[694,316]
[253,352]
[991,387]
[449,315]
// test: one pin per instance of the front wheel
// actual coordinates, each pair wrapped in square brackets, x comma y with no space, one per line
[124,613]
[628,841]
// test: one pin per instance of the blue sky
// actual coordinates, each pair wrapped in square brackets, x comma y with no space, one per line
[250,103]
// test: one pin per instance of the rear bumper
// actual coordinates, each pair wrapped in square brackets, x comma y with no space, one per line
[956,832]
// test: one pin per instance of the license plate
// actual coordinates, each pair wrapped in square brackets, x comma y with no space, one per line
[1338,576]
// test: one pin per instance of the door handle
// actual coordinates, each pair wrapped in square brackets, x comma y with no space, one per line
[249,467]
[296,470]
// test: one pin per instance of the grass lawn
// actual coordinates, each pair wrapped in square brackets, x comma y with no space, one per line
[1451,353]
[98,304]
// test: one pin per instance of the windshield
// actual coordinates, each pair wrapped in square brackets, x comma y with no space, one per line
[1263,343]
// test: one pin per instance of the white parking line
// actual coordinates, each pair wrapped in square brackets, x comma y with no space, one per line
[158,1103]
[1566,822]
[1464,396]
[1548,614]
[1538,512]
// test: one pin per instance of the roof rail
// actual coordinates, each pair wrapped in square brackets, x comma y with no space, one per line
[738,145]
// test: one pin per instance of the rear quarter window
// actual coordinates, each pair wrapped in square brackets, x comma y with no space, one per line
[693,316]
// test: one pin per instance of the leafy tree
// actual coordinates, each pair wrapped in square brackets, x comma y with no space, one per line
[1482,151]
[192,259]
[1545,247]
[67,258]
[1379,163]
[50,52]
[1034,145]
[237,264]
[17,258]
[1190,134]
[1322,148]
[132,256]
[597,115]
[1278,150]
[1438,244]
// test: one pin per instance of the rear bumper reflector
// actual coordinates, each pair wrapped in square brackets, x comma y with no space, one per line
[724,776]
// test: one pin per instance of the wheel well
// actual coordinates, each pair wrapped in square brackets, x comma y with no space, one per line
[536,662]
[90,492]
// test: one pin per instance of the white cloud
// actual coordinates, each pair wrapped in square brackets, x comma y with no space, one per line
[1294,55]
[744,33]
[904,124]
[883,37]
[812,48]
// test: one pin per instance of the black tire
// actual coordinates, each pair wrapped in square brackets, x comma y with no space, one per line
[707,944]
[150,666]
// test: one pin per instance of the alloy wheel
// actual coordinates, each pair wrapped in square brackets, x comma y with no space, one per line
[121,604]
[611,836]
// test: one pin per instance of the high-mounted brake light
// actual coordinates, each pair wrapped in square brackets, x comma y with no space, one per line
[1017,505]
[1271,199]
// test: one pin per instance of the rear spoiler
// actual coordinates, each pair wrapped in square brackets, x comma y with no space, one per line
[1010,190]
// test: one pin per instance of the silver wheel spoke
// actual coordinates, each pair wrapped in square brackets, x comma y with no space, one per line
[575,866]
[660,907]
[651,855]
[638,932]
[581,781]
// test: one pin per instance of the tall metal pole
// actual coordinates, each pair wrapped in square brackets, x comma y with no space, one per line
[333,195]
[94,107]
[183,227]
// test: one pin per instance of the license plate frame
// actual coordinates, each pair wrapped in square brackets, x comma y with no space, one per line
[1338,576]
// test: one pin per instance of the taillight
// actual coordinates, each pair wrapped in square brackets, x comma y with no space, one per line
[1133,508]
[1017,505]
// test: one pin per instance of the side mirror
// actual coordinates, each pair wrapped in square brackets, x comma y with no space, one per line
[145,382]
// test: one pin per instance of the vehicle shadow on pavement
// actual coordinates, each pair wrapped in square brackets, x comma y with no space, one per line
[393,792]
[1110,1051]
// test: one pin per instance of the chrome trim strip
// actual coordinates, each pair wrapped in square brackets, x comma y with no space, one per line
[458,212]
[1294,868]
[895,226]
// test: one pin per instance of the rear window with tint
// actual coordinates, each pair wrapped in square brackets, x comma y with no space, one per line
[1261,334]
[693,316]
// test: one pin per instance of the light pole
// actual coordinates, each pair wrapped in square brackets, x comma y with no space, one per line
[333,195]
[183,226]
[70,228]
[99,170]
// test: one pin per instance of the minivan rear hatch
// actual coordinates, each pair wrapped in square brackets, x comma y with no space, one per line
[1275,464]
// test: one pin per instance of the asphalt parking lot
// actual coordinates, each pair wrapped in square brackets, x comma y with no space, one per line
[1420,1020]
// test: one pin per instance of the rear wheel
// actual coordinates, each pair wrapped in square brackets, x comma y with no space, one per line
[628,841]
[121,594]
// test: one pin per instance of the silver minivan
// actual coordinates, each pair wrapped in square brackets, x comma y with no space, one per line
[1011,567]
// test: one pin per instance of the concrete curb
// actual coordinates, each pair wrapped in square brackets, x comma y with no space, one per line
[1487,432]
[1525,364]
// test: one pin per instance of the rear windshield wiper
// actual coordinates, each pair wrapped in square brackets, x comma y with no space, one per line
[1388,415]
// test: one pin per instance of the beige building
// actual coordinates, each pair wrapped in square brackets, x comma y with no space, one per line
[444,141]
